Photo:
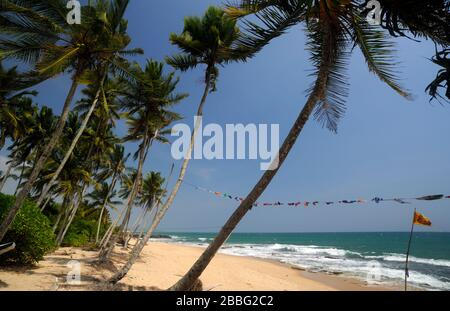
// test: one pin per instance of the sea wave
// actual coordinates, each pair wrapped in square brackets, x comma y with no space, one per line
[402,258]
[373,269]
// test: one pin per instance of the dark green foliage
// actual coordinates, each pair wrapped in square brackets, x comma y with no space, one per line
[30,231]
[80,233]
[83,229]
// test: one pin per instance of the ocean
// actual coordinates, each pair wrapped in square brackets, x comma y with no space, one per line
[378,258]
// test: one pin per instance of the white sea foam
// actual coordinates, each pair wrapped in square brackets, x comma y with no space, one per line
[333,260]
[402,258]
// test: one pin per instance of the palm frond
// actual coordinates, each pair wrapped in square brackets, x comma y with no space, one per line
[378,53]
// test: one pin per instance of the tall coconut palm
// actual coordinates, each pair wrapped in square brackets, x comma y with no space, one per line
[15,103]
[36,32]
[205,41]
[115,171]
[333,27]
[126,184]
[146,102]
[115,26]
[142,241]
[40,125]
[16,115]
[151,190]
[102,197]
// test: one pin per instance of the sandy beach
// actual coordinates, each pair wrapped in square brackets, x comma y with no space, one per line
[161,264]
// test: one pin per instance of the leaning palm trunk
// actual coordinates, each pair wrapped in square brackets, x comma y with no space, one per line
[137,187]
[64,215]
[134,191]
[100,218]
[110,242]
[139,246]
[148,208]
[141,234]
[66,226]
[61,212]
[107,236]
[72,146]
[7,174]
[46,203]
[104,255]
[317,94]
[20,178]
[161,212]
[136,225]
[72,215]
[41,162]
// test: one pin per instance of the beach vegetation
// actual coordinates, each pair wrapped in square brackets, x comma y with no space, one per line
[31,231]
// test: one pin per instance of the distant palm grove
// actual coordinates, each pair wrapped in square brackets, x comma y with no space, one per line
[77,185]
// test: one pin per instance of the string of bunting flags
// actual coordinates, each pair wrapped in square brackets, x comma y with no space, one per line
[377,200]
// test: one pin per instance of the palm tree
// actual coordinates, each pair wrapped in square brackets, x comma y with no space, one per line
[152,189]
[40,124]
[115,27]
[142,241]
[114,170]
[332,27]
[204,41]
[36,32]
[128,177]
[146,102]
[14,103]
[104,197]
[75,173]
[17,112]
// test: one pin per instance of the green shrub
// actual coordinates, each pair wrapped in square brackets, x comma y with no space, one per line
[80,233]
[83,229]
[30,231]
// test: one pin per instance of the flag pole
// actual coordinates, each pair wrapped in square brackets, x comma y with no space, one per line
[407,252]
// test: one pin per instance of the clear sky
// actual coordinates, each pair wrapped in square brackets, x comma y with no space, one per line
[386,146]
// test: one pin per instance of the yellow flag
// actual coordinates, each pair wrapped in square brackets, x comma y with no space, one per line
[419,219]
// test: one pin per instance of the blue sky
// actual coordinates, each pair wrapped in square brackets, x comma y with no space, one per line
[386,146]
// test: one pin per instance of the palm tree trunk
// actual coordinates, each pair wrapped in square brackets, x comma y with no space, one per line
[105,243]
[160,214]
[7,174]
[137,224]
[46,203]
[66,226]
[320,86]
[40,163]
[134,192]
[104,255]
[113,184]
[137,190]
[60,214]
[64,216]
[141,234]
[20,178]
[105,239]
[72,146]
